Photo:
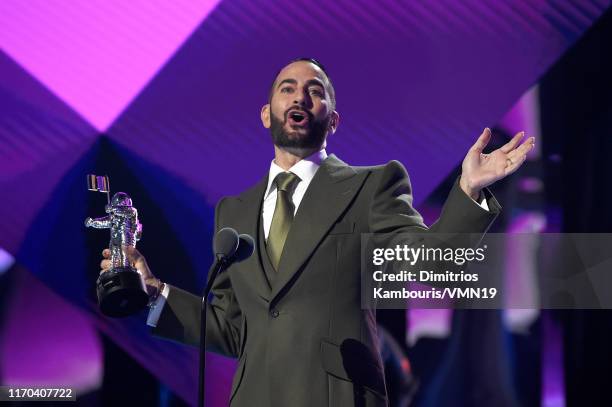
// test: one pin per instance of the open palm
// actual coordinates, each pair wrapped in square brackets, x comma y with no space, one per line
[480,170]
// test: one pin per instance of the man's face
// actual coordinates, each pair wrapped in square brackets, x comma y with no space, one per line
[299,114]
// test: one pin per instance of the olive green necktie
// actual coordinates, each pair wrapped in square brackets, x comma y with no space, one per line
[283,216]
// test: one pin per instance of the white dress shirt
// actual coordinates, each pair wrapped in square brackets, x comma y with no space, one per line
[306,170]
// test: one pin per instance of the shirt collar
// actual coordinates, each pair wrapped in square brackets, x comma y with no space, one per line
[305,169]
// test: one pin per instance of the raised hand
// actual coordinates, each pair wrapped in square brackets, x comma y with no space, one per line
[480,170]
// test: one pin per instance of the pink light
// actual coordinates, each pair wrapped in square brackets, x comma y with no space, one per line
[432,323]
[97,55]
[525,116]
[46,341]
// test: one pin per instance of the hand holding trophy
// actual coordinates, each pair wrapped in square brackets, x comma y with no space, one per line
[121,290]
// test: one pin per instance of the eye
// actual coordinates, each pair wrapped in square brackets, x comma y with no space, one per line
[286,89]
[316,92]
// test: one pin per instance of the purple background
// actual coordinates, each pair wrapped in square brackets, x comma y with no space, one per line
[170,92]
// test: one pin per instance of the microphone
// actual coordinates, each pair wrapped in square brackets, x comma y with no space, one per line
[229,247]
[225,244]
[246,247]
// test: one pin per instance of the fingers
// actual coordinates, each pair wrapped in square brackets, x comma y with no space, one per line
[105,265]
[527,145]
[522,150]
[516,163]
[134,258]
[138,261]
[511,145]
[132,254]
[482,141]
[517,157]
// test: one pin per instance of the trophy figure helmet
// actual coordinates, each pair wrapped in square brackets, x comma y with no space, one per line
[120,199]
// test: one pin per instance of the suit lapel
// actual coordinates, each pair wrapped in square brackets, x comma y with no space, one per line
[329,193]
[252,201]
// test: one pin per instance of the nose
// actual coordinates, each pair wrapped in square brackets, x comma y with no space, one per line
[302,99]
[299,99]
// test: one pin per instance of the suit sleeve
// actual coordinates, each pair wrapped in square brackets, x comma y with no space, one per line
[180,318]
[391,210]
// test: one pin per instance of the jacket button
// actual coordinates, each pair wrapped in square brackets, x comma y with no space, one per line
[274,313]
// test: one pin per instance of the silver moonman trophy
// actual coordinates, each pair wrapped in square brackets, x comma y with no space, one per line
[121,290]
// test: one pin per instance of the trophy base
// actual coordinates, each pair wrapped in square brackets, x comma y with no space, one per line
[121,292]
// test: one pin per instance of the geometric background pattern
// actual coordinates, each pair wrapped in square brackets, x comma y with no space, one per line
[165,97]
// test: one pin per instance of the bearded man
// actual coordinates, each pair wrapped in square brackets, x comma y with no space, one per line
[291,313]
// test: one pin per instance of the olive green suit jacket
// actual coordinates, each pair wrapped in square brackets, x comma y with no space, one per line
[302,339]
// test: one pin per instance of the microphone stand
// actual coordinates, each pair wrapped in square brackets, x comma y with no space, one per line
[219,265]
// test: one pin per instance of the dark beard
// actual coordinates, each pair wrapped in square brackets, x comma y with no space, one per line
[313,141]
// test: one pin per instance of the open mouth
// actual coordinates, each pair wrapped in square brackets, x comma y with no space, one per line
[297,117]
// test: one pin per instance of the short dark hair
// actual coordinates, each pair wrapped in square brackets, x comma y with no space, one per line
[330,85]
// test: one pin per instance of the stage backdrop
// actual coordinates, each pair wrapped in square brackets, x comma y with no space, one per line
[165,97]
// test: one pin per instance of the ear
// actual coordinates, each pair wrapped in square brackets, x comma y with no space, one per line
[265,116]
[333,122]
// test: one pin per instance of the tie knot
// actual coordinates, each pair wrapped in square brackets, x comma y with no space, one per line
[285,180]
